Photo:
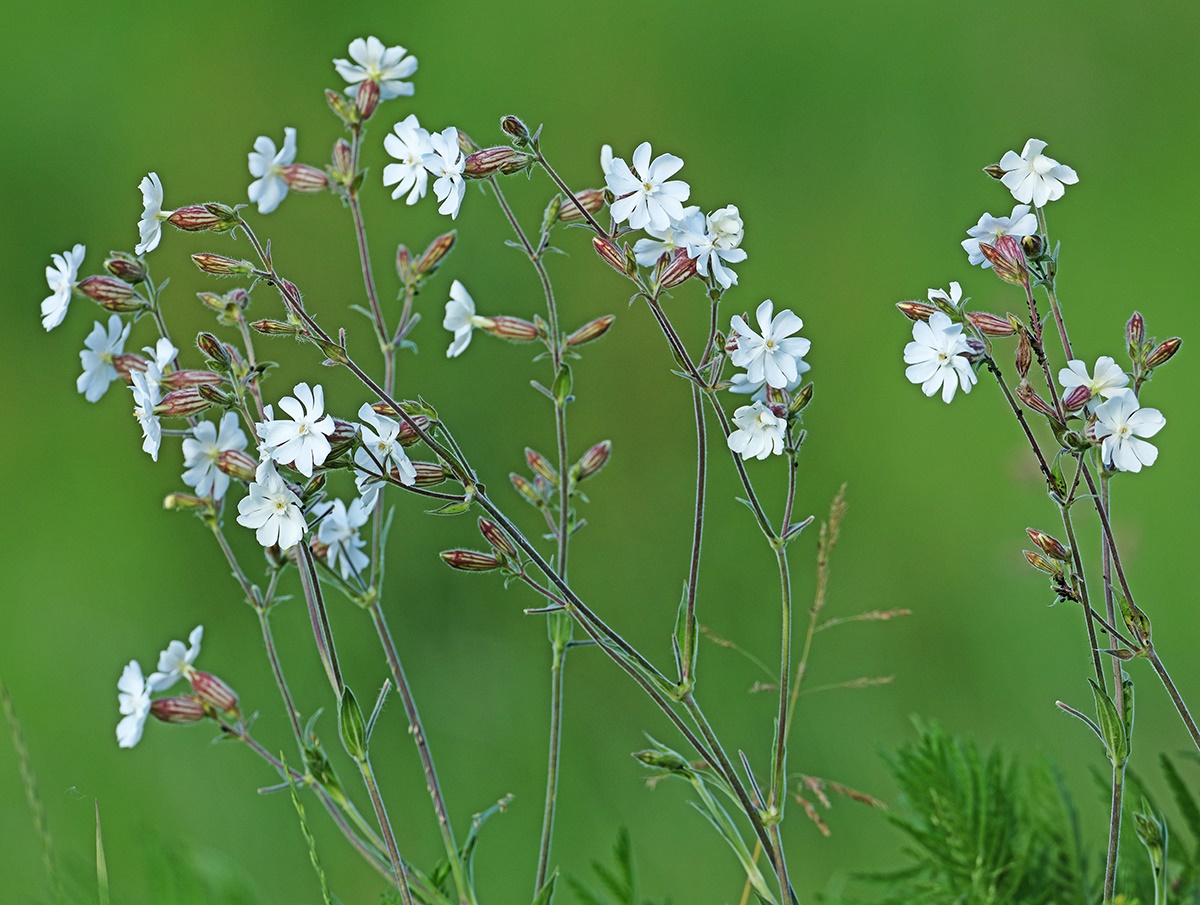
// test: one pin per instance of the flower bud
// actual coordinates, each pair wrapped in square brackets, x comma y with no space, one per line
[222,265]
[680,268]
[178,380]
[1049,545]
[591,200]
[590,331]
[366,99]
[541,466]
[124,364]
[1165,352]
[614,256]
[110,293]
[429,474]
[122,265]
[343,162]
[184,502]
[180,710]
[995,171]
[976,350]
[916,311]
[512,329]
[213,691]
[404,264]
[182,403]
[275,328]
[501,160]
[1033,246]
[496,537]
[212,349]
[465,143]
[594,459]
[1040,563]
[526,489]
[1007,260]
[195,218]
[664,760]
[470,560]
[343,436]
[340,106]
[300,177]
[238,465]
[1033,401]
[407,435]
[432,256]
[1077,398]
[990,324]
[801,399]
[513,126]
[1135,333]
[1024,356]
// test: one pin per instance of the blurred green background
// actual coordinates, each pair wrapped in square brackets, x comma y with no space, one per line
[851,136]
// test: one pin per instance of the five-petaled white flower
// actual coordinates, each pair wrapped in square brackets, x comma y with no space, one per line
[644,196]
[760,432]
[460,319]
[1032,177]
[303,441]
[272,509]
[665,241]
[150,226]
[380,454]
[1019,224]
[145,397]
[447,163]
[409,145]
[61,279]
[1109,379]
[937,357]
[386,66]
[716,246]
[162,354]
[771,355]
[133,698]
[266,166]
[176,661]
[339,532]
[203,448]
[102,347]
[1120,423]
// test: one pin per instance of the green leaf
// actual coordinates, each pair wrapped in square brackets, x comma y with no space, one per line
[351,725]
[546,893]
[455,508]
[562,385]
[1112,728]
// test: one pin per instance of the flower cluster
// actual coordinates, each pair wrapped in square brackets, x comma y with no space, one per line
[134,688]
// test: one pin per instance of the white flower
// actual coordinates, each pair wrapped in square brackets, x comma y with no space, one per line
[385,66]
[162,354]
[760,432]
[102,347]
[145,397]
[1120,422]
[717,245]
[1032,177]
[301,442]
[150,226]
[606,160]
[644,196]
[1109,379]
[380,453]
[272,510]
[741,383]
[771,355]
[665,241]
[176,661]
[937,357]
[133,698]
[952,298]
[460,319]
[446,162]
[203,448]
[1019,224]
[266,166]
[61,278]
[409,145]
[339,532]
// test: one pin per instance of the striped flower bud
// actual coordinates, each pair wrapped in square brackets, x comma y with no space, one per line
[1007,259]
[526,489]
[519,132]
[125,266]
[274,328]
[300,177]
[429,474]
[213,691]
[916,311]
[496,537]
[432,256]
[182,403]
[1077,398]
[1049,545]
[1033,401]
[512,329]
[238,465]
[594,459]
[502,161]
[222,265]
[470,560]
[591,201]
[1135,333]
[680,268]
[195,218]
[1165,352]
[178,380]
[110,293]
[590,331]
[180,710]
[366,99]
[614,256]
[991,324]
[541,466]
[184,502]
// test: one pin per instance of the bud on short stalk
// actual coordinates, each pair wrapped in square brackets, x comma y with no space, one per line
[407,435]
[125,267]
[512,329]
[182,403]
[519,132]
[213,691]
[1165,352]
[1007,259]
[180,710]
[470,560]
[1077,398]
[614,256]
[343,161]
[591,200]
[127,363]
[366,99]
[680,268]
[1034,246]
[340,106]
[590,331]
[300,177]
[212,348]
[995,171]
[664,760]
[1135,333]
[222,265]
[1040,563]
[991,324]
[916,311]
[196,218]
[466,144]
[432,256]
[238,465]
[496,537]
[178,380]
[594,459]
[526,489]
[184,502]
[429,474]
[1049,545]
[502,161]
[1024,356]
[541,466]
[275,328]
[1033,401]
[110,293]
[976,350]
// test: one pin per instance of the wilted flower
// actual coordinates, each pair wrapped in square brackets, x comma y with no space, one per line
[102,347]
[266,165]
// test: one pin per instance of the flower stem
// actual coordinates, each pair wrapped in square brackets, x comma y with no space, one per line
[1114,832]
